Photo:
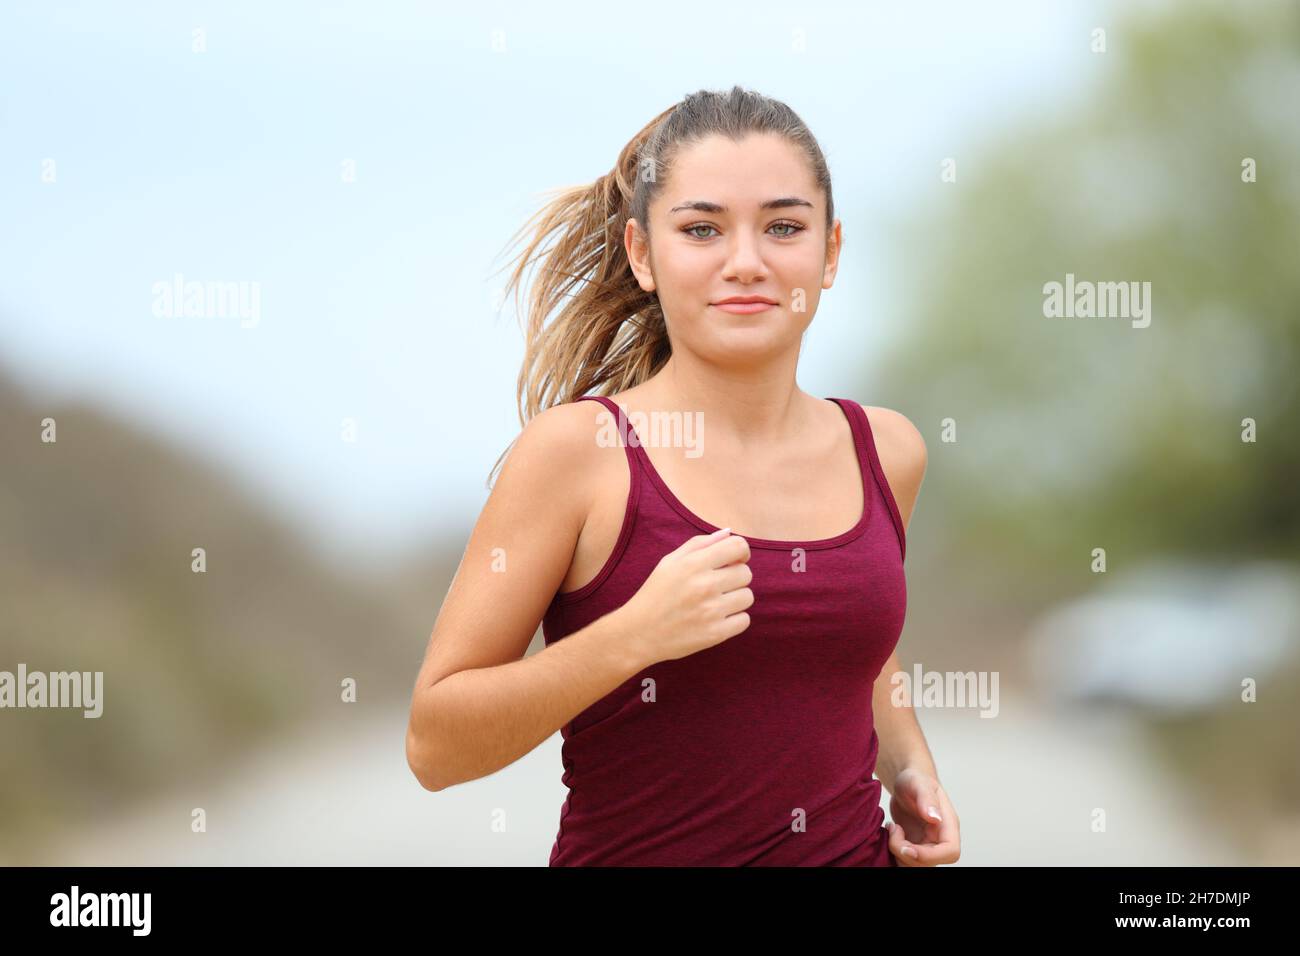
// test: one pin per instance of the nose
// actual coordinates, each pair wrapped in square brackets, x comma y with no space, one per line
[744,260]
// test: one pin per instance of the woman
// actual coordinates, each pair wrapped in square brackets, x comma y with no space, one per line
[724,697]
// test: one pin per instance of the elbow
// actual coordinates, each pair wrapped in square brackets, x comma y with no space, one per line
[426,781]
[420,762]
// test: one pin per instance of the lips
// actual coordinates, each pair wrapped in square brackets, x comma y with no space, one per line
[744,304]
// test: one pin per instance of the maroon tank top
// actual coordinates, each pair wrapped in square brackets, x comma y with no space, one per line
[758,751]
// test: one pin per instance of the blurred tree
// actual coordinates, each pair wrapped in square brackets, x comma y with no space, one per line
[1075,433]
[1078,433]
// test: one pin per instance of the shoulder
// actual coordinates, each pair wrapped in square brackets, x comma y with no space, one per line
[561,438]
[902,452]
[565,454]
[896,431]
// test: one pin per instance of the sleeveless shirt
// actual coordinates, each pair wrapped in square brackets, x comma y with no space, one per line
[760,750]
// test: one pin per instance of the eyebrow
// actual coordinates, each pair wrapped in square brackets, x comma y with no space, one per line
[703,205]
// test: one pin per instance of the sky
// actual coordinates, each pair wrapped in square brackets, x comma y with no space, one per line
[362,166]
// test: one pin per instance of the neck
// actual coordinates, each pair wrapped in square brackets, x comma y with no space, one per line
[753,405]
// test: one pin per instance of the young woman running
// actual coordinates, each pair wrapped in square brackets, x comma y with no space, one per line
[715,556]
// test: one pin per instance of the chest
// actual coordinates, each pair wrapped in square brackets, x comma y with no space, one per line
[797,496]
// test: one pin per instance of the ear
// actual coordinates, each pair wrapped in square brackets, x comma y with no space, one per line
[834,245]
[637,246]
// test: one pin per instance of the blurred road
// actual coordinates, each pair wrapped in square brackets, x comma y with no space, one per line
[1024,784]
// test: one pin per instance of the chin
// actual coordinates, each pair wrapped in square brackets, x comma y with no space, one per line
[752,343]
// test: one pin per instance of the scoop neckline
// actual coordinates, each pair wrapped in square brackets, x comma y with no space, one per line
[768,543]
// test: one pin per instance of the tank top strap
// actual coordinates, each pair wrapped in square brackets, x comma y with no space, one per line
[627,437]
[869,460]
[625,430]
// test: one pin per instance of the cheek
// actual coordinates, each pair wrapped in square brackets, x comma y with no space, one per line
[803,303]
[804,271]
[685,279]
[691,269]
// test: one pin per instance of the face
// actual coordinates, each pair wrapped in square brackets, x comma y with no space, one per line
[715,235]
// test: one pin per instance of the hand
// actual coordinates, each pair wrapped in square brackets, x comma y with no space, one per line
[924,829]
[695,598]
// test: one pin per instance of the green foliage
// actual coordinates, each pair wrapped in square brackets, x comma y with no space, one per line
[1074,433]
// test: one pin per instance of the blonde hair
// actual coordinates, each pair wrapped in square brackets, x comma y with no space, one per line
[610,335]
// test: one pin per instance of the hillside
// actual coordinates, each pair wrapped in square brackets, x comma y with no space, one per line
[96,535]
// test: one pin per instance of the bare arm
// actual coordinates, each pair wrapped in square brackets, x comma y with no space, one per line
[902,744]
[478,703]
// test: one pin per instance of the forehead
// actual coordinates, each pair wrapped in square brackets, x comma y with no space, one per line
[738,174]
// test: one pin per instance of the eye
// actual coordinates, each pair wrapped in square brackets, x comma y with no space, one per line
[793,228]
